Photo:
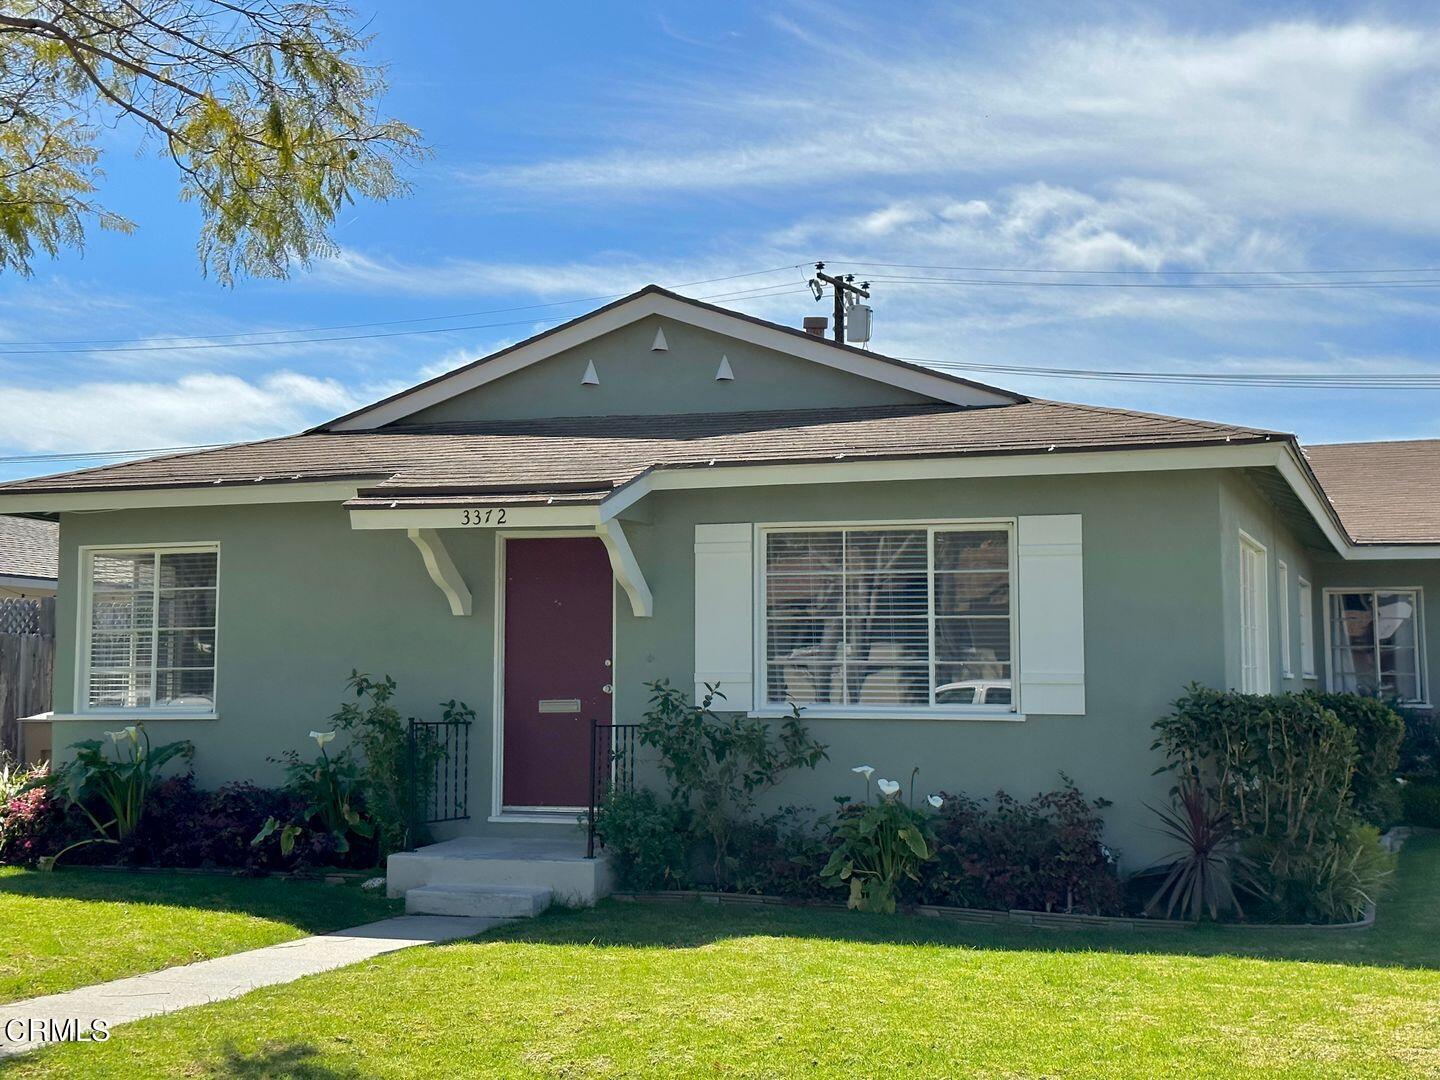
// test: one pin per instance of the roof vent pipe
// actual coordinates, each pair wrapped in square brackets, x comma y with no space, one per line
[816,325]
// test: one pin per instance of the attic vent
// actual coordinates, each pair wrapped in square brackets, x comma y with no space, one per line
[660,343]
[723,372]
[590,378]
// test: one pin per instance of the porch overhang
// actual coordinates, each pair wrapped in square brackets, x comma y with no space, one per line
[426,519]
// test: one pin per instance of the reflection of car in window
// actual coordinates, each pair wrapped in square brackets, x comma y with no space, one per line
[975,692]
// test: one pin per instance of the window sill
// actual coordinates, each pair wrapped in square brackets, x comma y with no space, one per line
[817,712]
[132,715]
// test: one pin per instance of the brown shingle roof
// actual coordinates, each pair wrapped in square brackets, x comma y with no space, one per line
[1384,492]
[29,548]
[595,453]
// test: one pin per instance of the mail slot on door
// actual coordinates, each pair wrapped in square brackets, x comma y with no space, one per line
[560,705]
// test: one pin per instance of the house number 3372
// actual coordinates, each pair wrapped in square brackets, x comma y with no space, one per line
[492,516]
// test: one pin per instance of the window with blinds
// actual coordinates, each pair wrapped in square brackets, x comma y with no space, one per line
[150,629]
[914,616]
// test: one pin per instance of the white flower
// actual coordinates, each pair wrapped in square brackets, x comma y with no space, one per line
[935,800]
[866,771]
[116,736]
[322,737]
[1401,781]
[887,787]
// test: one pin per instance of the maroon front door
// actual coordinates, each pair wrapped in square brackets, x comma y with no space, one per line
[559,630]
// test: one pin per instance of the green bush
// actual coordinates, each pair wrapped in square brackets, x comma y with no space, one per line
[880,846]
[1334,880]
[1379,732]
[1420,802]
[718,767]
[1280,766]
[645,840]
[1286,770]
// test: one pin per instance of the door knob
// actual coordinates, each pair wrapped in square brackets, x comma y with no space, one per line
[608,688]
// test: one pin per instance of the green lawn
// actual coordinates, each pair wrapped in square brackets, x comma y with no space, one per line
[74,927]
[628,989]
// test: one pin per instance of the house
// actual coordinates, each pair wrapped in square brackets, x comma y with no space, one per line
[942,573]
[29,556]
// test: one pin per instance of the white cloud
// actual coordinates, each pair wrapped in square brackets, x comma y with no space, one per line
[1286,118]
[202,408]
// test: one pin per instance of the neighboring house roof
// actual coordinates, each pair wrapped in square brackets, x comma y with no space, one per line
[1384,492]
[29,548]
[653,300]
[567,455]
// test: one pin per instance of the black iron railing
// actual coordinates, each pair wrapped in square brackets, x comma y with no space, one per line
[614,749]
[438,753]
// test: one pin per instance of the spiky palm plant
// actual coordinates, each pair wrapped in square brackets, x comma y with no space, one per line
[1207,873]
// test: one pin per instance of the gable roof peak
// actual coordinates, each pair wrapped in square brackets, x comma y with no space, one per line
[654,300]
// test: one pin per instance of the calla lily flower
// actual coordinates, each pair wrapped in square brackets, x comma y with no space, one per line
[935,801]
[322,737]
[866,771]
[888,787]
[116,736]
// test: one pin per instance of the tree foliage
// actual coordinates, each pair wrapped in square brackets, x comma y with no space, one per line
[266,107]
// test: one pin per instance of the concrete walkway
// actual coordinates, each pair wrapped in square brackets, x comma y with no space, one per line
[119,1002]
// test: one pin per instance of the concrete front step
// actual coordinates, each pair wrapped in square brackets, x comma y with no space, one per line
[559,866]
[483,901]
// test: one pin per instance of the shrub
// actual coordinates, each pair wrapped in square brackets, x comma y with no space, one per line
[1420,749]
[880,844]
[33,822]
[1279,766]
[1286,770]
[1334,880]
[113,794]
[1420,802]
[328,809]
[717,768]
[784,854]
[1047,854]
[394,785]
[644,838]
[1207,872]
[1379,734]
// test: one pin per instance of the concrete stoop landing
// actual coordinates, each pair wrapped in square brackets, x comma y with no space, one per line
[496,878]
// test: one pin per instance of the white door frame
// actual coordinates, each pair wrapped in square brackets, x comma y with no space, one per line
[549,815]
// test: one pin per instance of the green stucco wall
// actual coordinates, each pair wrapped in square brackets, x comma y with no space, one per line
[303,599]
[635,381]
[1243,507]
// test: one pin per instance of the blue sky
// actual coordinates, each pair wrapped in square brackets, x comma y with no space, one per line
[584,150]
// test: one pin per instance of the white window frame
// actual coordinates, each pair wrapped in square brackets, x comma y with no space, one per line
[1306,600]
[1282,615]
[83,616]
[1423,668]
[833,710]
[1252,549]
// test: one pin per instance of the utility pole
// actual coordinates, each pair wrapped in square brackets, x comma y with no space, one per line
[843,287]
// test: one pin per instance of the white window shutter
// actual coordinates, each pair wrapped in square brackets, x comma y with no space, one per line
[724,613]
[1051,600]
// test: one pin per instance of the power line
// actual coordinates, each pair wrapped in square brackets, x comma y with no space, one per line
[79,454]
[388,322]
[1210,273]
[1403,283]
[743,294]
[1372,381]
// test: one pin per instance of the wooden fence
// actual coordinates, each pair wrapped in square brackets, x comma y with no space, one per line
[27,665]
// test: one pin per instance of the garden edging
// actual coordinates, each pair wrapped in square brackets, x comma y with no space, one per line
[1049,920]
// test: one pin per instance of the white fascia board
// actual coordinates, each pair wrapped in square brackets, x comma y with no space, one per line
[239,494]
[500,517]
[16,581]
[423,397]
[1161,459]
